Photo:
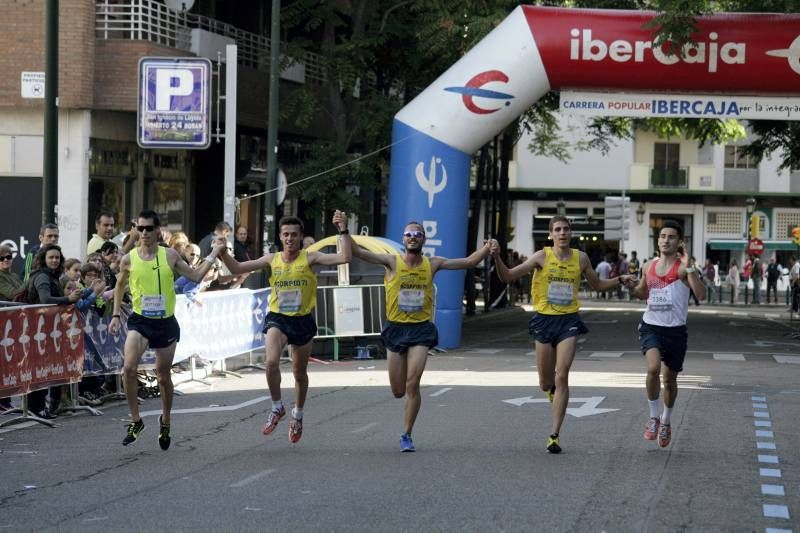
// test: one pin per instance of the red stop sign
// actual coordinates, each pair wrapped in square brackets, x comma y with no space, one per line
[755,247]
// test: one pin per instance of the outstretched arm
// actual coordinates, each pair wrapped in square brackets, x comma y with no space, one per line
[344,255]
[385,260]
[182,268]
[597,283]
[461,263]
[245,266]
[508,275]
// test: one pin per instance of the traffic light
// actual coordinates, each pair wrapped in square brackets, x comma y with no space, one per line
[796,235]
[617,215]
[755,226]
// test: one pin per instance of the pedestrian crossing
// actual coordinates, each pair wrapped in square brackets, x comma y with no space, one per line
[717,356]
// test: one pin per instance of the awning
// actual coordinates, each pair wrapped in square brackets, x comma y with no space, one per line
[741,244]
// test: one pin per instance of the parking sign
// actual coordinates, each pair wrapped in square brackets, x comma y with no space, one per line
[174,95]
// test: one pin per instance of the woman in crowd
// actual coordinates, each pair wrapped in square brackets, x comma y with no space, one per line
[734,281]
[10,283]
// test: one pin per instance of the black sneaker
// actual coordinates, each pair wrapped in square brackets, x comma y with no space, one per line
[553,443]
[163,435]
[134,430]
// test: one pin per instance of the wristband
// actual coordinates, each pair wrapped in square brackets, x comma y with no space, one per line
[689,270]
[344,232]
[115,316]
[209,258]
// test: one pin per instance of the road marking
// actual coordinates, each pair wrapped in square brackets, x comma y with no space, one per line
[362,429]
[776,511]
[762,423]
[772,490]
[250,479]
[737,313]
[768,459]
[252,508]
[96,519]
[607,354]
[760,406]
[787,359]
[772,315]
[440,392]
[765,445]
[765,433]
[769,472]
[728,357]
[588,408]
[761,414]
[485,351]
[209,409]
[759,398]
[777,530]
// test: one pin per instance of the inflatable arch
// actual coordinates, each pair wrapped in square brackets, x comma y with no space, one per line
[534,50]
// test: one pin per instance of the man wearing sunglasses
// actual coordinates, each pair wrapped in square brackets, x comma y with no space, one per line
[291,311]
[148,270]
[410,332]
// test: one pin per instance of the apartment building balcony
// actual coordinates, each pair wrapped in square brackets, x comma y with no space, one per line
[153,22]
[644,176]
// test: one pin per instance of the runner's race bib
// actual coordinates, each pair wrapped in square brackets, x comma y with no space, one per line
[154,306]
[289,301]
[411,301]
[659,300]
[559,293]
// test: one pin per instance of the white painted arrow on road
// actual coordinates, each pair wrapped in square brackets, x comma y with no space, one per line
[588,408]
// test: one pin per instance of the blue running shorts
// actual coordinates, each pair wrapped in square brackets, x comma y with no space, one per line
[552,329]
[299,330]
[670,341]
[399,336]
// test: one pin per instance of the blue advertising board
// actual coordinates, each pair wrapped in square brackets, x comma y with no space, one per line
[174,97]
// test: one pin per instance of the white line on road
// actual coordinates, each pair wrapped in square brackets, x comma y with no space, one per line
[777,530]
[485,351]
[96,519]
[765,433]
[776,511]
[787,359]
[761,414]
[250,479]
[607,354]
[772,490]
[760,406]
[773,459]
[210,409]
[759,398]
[362,429]
[440,392]
[728,357]
[769,472]
[762,423]
[765,445]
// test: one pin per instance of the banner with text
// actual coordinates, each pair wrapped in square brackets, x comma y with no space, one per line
[646,105]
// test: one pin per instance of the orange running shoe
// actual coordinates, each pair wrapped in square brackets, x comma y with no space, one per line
[295,429]
[664,435]
[272,420]
[651,428]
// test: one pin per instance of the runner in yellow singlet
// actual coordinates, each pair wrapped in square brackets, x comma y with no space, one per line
[149,270]
[290,319]
[556,324]
[410,331]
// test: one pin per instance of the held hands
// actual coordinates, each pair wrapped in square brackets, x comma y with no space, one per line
[75,295]
[98,286]
[494,247]
[629,280]
[340,220]
[113,326]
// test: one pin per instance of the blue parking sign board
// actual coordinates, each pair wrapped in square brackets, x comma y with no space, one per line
[174,96]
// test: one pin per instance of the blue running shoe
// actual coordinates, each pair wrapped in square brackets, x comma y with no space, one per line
[406,444]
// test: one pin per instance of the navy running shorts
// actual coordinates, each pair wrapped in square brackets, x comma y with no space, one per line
[159,332]
[670,341]
[400,336]
[552,329]
[299,330]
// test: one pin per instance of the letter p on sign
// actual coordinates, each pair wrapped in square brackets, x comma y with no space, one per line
[172,82]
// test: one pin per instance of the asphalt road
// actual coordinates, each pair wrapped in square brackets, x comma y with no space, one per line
[480,462]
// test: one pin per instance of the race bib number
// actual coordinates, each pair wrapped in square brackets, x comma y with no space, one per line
[289,301]
[660,300]
[154,306]
[559,293]
[411,301]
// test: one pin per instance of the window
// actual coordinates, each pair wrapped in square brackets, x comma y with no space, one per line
[666,166]
[736,158]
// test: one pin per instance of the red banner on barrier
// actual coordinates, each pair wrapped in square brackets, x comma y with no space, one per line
[40,347]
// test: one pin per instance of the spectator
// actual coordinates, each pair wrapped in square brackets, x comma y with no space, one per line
[48,265]
[794,283]
[241,251]
[109,253]
[104,226]
[633,265]
[222,229]
[734,281]
[178,242]
[747,269]
[622,268]
[757,275]
[773,273]
[48,234]
[72,271]
[603,272]
[10,284]
[709,276]
[308,240]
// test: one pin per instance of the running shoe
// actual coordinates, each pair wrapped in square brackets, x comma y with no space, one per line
[553,443]
[134,430]
[550,394]
[163,435]
[272,420]
[295,429]
[651,428]
[664,435]
[406,444]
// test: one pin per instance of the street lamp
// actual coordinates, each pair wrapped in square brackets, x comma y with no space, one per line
[640,214]
[561,207]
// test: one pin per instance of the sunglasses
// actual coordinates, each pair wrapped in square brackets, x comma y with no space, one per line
[151,228]
[414,234]
[8,257]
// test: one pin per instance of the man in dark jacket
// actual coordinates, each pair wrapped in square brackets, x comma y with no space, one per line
[773,273]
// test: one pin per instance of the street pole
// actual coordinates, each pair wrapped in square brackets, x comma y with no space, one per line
[229,194]
[50,166]
[272,126]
